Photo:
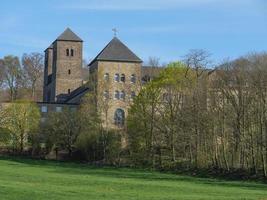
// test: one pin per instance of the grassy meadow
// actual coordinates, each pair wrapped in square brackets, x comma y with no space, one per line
[22,179]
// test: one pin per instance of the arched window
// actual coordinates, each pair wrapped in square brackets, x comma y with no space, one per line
[68,91]
[117,94]
[122,95]
[72,52]
[119,117]
[67,52]
[117,77]
[106,94]
[122,77]
[69,71]
[106,76]
[133,78]
[132,95]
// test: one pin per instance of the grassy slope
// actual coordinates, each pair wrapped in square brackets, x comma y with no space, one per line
[28,179]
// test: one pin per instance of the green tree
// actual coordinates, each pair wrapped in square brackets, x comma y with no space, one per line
[21,119]
[62,130]
[154,121]
[12,74]
[141,124]
[91,127]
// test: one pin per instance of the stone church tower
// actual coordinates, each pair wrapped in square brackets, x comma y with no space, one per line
[63,67]
[117,71]
[115,77]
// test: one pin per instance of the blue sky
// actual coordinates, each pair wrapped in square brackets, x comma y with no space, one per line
[167,29]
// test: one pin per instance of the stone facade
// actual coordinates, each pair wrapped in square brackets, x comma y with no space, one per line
[63,69]
[48,74]
[67,69]
[108,84]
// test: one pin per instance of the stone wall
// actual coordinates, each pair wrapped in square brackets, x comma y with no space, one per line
[110,105]
[48,108]
[47,72]
[64,63]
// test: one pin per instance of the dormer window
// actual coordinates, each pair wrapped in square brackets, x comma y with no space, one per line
[67,52]
[72,52]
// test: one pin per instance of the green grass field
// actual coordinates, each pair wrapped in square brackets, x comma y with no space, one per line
[27,180]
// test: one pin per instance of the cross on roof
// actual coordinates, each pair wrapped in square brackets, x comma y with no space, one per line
[115,31]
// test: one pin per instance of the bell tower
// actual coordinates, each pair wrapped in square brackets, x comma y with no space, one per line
[66,67]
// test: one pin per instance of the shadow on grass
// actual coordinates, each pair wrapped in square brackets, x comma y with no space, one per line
[127,173]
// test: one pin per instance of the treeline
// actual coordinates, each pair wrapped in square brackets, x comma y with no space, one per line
[189,117]
[71,134]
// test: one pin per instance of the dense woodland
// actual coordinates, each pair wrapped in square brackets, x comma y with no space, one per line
[197,118]
[189,117]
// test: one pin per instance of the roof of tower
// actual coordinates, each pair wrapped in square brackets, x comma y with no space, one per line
[116,51]
[69,35]
[50,47]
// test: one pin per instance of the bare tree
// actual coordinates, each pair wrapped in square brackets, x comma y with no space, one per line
[153,61]
[152,69]
[33,67]
[197,60]
[1,72]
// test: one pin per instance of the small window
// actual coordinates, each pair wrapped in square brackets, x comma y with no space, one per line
[133,95]
[67,52]
[117,94]
[58,109]
[72,109]
[117,77]
[68,91]
[123,78]
[133,78]
[122,95]
[106,94]
[106,76]
[44,109]
[72,52]
[69,72]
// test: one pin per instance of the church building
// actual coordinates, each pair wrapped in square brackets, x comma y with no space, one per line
[116,72]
